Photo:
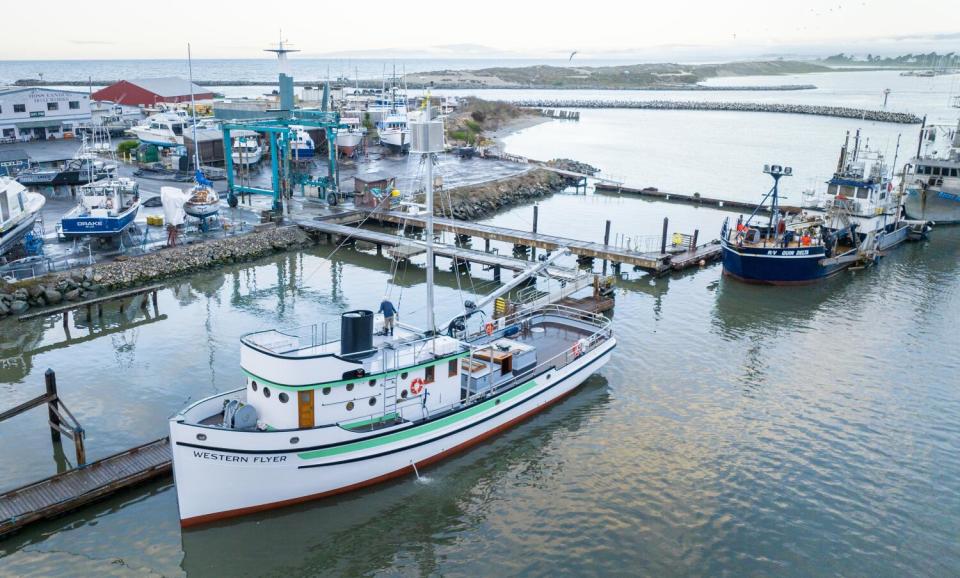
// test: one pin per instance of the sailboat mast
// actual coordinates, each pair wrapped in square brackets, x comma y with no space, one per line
[193,110]
[431,325]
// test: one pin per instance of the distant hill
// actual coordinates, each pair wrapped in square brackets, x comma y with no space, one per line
[664,75]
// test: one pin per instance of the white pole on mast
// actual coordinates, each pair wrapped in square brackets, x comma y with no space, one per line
[193,107]
[431,325]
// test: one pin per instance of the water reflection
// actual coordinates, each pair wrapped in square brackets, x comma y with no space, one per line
[368,531]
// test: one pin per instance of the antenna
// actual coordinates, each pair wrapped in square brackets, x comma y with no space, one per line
[427,140]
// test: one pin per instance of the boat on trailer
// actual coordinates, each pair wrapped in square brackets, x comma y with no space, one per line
[322,412]
[104,209]
[19,209]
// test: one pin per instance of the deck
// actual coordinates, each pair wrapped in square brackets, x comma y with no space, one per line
[69,490]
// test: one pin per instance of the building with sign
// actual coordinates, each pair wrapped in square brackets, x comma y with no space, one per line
[41,113]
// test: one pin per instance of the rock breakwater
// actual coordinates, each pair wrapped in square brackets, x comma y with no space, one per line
[484,199]
[816,110]
[78,284]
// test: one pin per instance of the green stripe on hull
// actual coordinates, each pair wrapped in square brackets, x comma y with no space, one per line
[363,379]
[420,430]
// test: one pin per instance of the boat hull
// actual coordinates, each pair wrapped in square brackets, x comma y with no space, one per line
[98,226]
[941,207]
[201,211]
[216,479]
[397,141]
[247,159]
[9,239]
[777,266]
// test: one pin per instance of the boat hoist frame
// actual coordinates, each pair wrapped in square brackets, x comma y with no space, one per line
[284,179]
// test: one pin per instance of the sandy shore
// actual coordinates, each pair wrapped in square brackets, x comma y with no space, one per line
[514,126]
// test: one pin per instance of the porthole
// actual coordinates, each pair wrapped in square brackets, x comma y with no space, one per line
[266,392]
[326,391]
[294,440]
[373,401]
[284,398]
[202,437]
[403,375]
[403,394]
[372,382]
[349,406]
[253,385]
[349,387]
[496,402]
[548,376]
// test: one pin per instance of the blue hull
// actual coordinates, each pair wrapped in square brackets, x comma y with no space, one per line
[777,266]
[302,154]
[97,226]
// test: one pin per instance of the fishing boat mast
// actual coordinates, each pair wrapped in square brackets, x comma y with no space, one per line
[193,111]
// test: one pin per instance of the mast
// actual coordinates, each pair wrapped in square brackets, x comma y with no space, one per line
[431,325]
[193,108]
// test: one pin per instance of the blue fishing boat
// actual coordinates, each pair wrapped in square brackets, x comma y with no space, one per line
[857,219]
[104,209]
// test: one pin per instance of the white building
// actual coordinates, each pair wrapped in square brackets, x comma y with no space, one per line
[41,113]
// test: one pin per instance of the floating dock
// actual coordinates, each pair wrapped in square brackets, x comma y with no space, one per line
[695,199]
[74,488]
[652,261]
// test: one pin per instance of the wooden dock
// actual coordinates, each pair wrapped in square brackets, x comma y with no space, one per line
[653,261]
[74,488]
[97,303]
[695,199]
[403,247]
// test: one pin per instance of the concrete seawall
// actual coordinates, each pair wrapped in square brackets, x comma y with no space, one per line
[834,111]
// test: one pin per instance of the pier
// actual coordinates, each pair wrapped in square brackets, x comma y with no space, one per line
[653,261]
[694,199]
[85,483]
[816,110]
[67,491]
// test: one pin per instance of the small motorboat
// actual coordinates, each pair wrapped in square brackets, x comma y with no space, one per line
[19,209]
[105,209]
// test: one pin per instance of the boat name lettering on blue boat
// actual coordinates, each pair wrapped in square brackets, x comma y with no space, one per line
[243,459]
[789,253]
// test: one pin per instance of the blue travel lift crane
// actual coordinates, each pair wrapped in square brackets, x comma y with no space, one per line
[279,131]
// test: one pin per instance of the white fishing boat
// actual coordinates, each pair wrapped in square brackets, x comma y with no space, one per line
[301,147]
[19,209]
[104,209]
[319,414]
[932,179]
[246,150]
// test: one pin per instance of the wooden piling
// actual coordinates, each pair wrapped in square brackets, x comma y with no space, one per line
[663,239]
[50,380]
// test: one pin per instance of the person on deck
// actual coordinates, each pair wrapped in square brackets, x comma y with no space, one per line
[389,314]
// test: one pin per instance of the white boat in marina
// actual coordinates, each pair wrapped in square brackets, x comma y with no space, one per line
[204,200]
[164,129]
[19,209]
[247,150]
[104,209]
[320,414]
[932,179]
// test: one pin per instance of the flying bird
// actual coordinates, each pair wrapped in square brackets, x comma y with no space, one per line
[572,54]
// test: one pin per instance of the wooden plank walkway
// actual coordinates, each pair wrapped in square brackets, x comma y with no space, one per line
[61,493]
[655,262]
[411,247]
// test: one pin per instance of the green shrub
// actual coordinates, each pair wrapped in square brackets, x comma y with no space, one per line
[126,147]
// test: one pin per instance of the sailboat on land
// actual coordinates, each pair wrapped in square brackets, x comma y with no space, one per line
[321,411]
[204,201]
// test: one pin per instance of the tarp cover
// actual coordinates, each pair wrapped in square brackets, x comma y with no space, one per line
[172,200]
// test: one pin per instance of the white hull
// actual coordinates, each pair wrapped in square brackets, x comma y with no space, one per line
[201,210]
[229,473]
[248,157]
[161,138]
[398,139]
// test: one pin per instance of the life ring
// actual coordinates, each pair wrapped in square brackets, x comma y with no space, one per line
[416,386]
[577,350]
[488,328]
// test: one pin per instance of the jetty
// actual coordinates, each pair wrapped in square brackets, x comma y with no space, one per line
[694,199]
[687,254]
[809,109]
[83,484]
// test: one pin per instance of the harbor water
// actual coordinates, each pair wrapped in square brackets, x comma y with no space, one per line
[737,430]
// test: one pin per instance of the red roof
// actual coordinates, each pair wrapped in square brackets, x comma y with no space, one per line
[150,92]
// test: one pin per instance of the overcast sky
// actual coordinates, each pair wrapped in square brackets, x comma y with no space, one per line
[110,29]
